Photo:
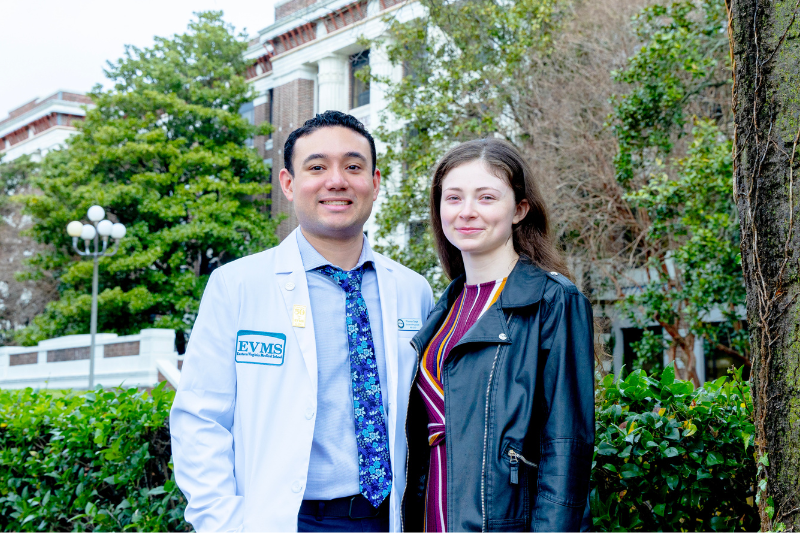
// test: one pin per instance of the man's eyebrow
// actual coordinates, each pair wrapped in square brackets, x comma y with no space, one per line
[314,156]
[357,155]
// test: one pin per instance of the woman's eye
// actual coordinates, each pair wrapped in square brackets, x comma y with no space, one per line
[451,198]
[487,197]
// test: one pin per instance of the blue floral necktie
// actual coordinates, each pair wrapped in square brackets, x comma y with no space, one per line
[374,467]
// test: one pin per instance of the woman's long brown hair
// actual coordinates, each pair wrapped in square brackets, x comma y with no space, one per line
[531,235]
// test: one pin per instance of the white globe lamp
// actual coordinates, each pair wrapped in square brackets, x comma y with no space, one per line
[118,231]
[88,232]
[96,213]
[74,229]
[104,228]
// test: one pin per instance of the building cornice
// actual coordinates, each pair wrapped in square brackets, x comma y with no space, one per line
[36,137]
[339,31]
[52,106]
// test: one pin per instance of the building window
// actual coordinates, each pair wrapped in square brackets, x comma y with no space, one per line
[248,112]
[630,359]
[359,86]
[718,361]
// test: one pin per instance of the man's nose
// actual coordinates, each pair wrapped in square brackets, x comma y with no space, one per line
[336,179]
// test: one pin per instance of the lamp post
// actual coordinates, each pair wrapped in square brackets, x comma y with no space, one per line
[99,230]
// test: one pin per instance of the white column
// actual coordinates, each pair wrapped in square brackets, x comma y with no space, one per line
[332,80]
[700,359]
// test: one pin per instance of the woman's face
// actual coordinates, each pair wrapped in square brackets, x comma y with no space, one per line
[478,209]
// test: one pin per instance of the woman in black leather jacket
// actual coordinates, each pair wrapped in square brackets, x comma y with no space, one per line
[500,420]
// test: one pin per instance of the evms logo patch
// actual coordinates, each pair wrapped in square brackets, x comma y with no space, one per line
[259,347]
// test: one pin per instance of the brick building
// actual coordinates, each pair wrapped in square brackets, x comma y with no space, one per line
[41,125]
[307,62]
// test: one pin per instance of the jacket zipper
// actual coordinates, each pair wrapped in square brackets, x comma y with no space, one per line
[408,450]
[484,524]
[514,458]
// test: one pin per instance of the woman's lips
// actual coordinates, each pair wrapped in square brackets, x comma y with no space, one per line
[468,231]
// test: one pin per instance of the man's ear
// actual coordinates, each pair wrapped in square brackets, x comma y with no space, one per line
[376,184]
[287,184]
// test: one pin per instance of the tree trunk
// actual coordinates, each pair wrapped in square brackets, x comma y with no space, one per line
[765,44]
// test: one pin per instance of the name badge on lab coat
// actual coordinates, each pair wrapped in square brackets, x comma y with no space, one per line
[260,347]
[409,324]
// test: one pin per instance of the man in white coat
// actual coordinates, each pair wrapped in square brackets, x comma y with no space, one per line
[290,413]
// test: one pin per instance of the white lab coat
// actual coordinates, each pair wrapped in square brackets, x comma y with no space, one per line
[242,431]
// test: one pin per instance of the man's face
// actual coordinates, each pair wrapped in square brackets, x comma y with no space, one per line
[333,186]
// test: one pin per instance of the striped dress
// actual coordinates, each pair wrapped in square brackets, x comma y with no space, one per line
[473,301]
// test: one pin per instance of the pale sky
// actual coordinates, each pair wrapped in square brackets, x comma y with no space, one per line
[47,45]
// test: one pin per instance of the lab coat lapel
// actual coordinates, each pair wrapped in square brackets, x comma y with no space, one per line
[387,289]
[293,286]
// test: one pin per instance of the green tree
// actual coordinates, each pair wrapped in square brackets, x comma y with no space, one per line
[684,221]
[698,270]
[164,151]
[460,62]
[14,177]
[765,42]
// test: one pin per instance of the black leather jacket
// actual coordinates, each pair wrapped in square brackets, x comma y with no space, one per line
[519,411]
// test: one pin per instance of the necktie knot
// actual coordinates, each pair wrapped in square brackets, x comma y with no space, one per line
[348,280]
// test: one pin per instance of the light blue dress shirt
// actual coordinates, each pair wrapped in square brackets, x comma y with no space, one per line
[333,467]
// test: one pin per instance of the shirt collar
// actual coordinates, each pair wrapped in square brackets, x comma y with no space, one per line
[312,259]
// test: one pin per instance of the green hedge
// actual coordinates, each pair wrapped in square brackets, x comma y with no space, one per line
[672,458]
[96,460]
[667,457]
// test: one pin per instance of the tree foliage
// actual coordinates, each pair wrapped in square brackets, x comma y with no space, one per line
[700,274]
[164,151]
[456,60]
[15,176]
[680,71]
[679,185]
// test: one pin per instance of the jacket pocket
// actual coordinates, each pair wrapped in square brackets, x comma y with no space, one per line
[564,470]
[517,461]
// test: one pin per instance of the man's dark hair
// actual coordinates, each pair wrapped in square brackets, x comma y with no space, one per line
[328,119]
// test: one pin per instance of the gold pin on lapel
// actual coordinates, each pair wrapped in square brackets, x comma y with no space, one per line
[299,316]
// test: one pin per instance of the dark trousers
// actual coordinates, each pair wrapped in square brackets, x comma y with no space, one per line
[335,515]
[335,523]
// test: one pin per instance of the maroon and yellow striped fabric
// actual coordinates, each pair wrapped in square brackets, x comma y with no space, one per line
[473,301]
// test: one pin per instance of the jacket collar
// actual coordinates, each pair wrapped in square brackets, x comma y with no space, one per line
[524,287]
[287,257]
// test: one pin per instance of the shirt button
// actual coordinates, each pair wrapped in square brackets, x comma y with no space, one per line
[503,336]
[289,286]
[554,273]
[297,486]
[309,413]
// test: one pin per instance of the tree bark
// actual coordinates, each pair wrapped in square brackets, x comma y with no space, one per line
[765,45]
